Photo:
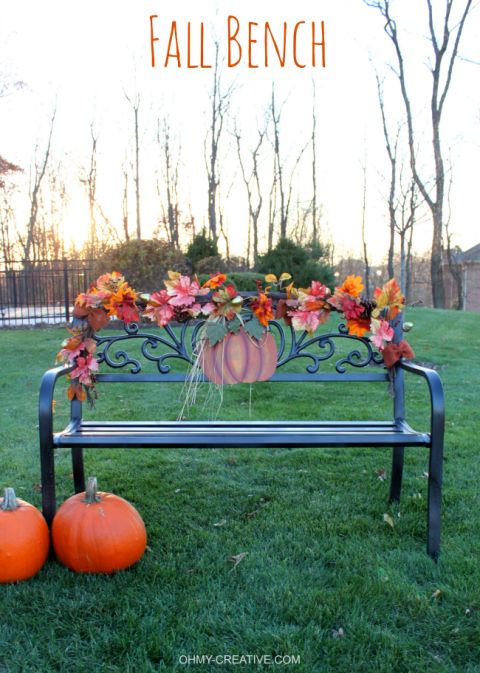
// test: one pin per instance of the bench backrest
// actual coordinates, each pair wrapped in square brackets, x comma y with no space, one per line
[333,355]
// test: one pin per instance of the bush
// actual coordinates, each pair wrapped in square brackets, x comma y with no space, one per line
[200,248]
[243,281]
[144,263]
[304,264]
[210,265]
[246,281]
[236,264]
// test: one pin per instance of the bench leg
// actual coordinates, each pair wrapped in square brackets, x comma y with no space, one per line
[434,498]
[77,467]
[397,473]
[47,466]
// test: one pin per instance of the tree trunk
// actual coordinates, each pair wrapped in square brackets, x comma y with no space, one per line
[137,172]
[441,80]
[315,235]
[364,239]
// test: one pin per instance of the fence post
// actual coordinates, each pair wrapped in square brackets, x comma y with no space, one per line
[65,290]
[14,288]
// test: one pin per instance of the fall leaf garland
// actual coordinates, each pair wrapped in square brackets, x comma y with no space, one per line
[225,311]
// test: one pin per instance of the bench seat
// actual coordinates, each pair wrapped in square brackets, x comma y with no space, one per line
[238,434]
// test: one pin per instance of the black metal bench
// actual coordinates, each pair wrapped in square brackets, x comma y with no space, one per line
[361,364]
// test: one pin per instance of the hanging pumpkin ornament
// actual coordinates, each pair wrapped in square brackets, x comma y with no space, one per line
[240,358]
[24,539]
[96,532]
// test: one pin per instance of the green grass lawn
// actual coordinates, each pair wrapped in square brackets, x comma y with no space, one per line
[325,577]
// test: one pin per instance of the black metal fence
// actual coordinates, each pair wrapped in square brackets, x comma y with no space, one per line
[41,292]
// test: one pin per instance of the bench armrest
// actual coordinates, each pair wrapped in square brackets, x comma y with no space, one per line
[47,387]
[437,398]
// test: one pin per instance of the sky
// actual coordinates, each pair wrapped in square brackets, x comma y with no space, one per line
[85,57]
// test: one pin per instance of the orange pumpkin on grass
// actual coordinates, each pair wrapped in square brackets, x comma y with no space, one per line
[239,358]
[96,532]
[24,539]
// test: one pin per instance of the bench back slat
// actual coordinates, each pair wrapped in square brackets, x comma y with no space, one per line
[290,377]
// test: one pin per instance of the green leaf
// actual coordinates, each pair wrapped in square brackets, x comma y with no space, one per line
[234,325]
[254,328]
[215,332]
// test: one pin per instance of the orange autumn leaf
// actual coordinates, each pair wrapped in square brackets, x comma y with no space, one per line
[390,297]
[122,304]
[313,304]
[73,343]
[352,285]
[110,282]
[358,326]
[262,308]
[76,390]
[215,281]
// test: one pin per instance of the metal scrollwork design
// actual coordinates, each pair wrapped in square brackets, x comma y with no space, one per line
[300,345]
[182,343]
[150,342]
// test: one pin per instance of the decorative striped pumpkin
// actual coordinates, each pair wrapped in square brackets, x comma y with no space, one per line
[239,358]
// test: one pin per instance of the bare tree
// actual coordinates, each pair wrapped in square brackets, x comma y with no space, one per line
[456,270]
[39,170]
[272,206]
[224,234]
[364,237]
[221,220]
[90,182]
[53,200]
[408,205]
[171,217]
[5,168]
[442,71]
[220,102]
[454,267]
[100,228]
[315,209]
[7,223]
[278,165]
[280,194]
[402,202]
[409,267]
[125,217]
[252,185]
[392,151]
[291,183]
[135,105]
[7,215]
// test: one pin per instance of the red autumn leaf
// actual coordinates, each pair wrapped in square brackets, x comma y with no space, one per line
[96,317]
[282,311]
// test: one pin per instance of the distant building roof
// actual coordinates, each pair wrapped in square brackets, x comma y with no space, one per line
[471,255]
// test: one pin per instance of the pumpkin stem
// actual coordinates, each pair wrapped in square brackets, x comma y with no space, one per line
[9,503]
[91,491]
